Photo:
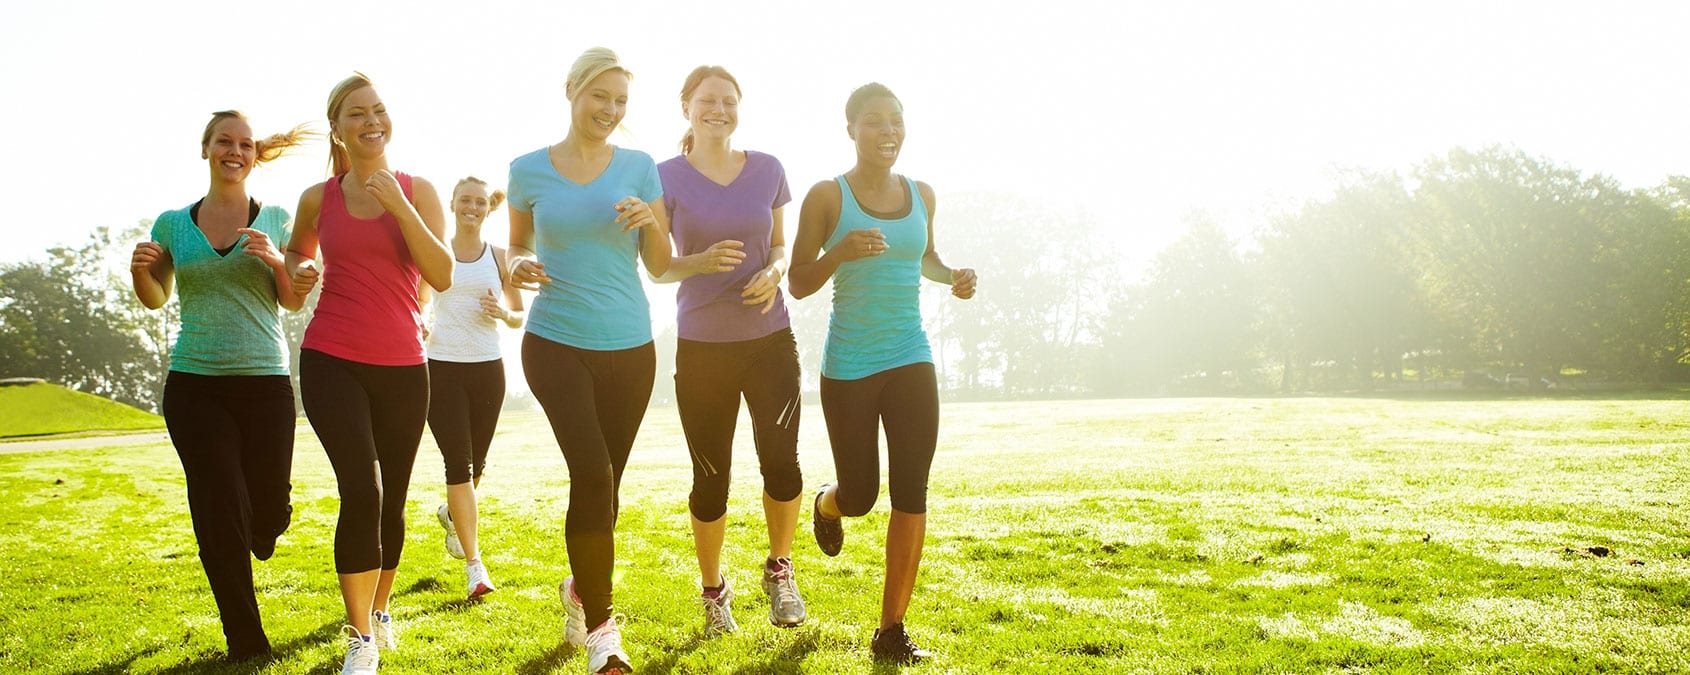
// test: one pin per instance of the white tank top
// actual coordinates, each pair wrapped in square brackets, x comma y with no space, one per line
[462,333]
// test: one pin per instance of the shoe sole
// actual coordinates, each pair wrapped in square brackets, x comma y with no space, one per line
[480,590]
[451,531]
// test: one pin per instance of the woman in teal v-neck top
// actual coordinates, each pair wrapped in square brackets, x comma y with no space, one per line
[228,402]
[876,228]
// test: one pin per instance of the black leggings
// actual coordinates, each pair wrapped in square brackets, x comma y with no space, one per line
[906,400]
[234,434]
[464,400]
[594,401]
[370,420]
[710,377]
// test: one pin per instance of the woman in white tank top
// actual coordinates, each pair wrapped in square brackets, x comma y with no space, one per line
[466,371]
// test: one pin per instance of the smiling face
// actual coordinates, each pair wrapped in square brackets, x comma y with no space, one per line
[597,109]
[230,150]
[470,204]
[361,124]
[878,129]
[713,109]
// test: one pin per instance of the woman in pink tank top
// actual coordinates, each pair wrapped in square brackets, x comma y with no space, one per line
[363,377]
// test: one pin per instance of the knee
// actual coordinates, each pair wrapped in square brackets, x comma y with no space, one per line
[854,503]
[783,483]
[709,499]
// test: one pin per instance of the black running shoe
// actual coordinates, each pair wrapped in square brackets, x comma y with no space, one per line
[893,644]
[830,535]
[264,545]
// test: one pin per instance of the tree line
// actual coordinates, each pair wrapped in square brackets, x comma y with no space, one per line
[1484,267]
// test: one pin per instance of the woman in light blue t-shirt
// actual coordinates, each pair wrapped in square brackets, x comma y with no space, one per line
[581,212]
[877,230]
[228,401]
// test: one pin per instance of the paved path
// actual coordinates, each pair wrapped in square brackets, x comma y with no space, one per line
[85,442]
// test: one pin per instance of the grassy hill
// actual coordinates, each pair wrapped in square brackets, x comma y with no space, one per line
[36,409]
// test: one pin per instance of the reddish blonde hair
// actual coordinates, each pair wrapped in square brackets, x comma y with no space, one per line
[697,77]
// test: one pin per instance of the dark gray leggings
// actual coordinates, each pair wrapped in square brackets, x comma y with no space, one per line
[370,420]
[710,378]
[906,400]
[464,400]
[595,401]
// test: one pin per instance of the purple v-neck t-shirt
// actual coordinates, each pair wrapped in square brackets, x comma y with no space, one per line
[703,212]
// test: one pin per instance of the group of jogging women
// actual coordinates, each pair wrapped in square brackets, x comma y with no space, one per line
[406,331]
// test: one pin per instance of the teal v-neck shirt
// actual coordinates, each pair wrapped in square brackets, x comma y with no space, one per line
[230,320]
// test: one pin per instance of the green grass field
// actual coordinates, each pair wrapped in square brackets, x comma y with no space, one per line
[38,409]
[1308,535]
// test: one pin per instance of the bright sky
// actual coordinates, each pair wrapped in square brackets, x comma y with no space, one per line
[1140,112]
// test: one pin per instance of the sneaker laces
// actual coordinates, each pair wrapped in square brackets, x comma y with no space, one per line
[786,587]
[359,653]
[608,636]
[716,611]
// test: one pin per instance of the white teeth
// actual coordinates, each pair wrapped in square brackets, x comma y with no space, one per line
[373,136]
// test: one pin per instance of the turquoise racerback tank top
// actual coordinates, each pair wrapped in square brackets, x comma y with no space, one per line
[876,321]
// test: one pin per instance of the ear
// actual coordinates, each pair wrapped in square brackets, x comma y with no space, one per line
[851,131]
[686,110]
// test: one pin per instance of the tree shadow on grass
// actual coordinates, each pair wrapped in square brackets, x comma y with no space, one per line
[671,655]
[214,663]
[547,662]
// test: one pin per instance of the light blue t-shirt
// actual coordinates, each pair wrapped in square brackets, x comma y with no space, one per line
[230,324]
[876,321]
[595,300]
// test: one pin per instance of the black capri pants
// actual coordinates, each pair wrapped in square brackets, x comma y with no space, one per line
[594,401]
[464,400]
[370,420]
[906,400]
[234,435]
[710,378]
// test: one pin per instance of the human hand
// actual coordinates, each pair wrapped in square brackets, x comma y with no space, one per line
[762,289]
[861,244]
[385,188]
[305,277]
[527,274]
[146,254]
[258,245]
[633,213]
[962,283]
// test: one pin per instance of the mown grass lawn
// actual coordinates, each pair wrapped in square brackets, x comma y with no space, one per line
[1166,536]
[42,408]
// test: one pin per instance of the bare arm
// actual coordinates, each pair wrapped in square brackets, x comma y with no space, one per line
[653,223]
[153,272]
[513,314]
[301,252]
[421,222]
[961,280]
[526,272]
[816,220]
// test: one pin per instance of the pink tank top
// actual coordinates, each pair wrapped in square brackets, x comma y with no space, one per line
[368,311]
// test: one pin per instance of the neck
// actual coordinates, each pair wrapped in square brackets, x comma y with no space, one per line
[226,194]
[467,234]
[362,168]
[871,176]
[575,145]
[713,150]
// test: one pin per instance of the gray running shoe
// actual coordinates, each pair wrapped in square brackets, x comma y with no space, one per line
[786,607]
[718,611]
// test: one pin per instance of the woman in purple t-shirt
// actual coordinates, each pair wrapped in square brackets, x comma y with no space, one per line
[735,338]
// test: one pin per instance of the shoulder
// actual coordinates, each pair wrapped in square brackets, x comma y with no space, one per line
[313,196]
[824,191]
[173,216]
[926,191]
[273,215]
[421,186]
[764,161]
[528,158]
[672,163]
[635,157]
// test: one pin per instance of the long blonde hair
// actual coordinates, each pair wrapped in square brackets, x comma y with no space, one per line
[270,147]
[339,161]
[694,79]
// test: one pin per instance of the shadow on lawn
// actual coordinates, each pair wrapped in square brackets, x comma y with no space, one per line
[547,662]
[213,663]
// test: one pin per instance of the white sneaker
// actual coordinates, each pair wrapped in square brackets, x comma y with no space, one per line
[479,583]
[575,616]
[361,656]
[604,650]
[386,634]
[718,611]
[454,547]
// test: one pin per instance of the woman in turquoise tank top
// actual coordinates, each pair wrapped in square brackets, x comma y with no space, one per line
[876,228]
